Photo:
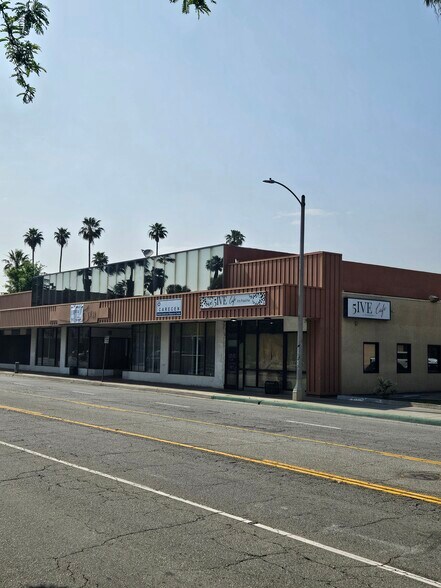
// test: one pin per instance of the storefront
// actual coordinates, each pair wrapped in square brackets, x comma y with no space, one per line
[259,354]
[226,317]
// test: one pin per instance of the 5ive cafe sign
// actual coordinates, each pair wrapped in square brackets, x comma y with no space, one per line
[233,300]
[364,308]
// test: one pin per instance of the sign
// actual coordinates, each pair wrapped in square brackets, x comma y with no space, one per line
[106,340]
[233,300]
[364,308]
[77,313]
[169,307]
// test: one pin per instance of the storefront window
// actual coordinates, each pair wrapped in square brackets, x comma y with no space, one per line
[371,358]
[433,359]
[259,352]
[15,345]
[146,348]
[153,349]
[138,348]
[404,364]
[77,351]
[48,347]
[192,349]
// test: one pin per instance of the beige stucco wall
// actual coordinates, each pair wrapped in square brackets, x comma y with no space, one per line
[417,322]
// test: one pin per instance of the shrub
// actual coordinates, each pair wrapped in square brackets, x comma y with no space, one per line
[384,388]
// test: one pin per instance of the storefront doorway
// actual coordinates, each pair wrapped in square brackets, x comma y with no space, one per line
[260,352]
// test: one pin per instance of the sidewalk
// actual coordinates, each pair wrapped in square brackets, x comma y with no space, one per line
[400,410]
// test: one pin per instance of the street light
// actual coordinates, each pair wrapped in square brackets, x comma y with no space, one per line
[299,392]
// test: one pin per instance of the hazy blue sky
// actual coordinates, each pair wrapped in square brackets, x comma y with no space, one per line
[146,115]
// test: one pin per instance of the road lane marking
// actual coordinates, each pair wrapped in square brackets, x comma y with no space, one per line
[170,404]
[239,519]
[314,425]
[402,492]
[81,392]
[237,428]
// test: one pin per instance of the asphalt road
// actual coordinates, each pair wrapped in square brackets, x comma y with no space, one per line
[108,486]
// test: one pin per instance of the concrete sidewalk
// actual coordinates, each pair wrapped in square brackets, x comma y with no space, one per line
[409,412]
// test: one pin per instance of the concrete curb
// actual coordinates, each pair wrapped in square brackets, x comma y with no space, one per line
[361,412]
[292,404]
[396,402]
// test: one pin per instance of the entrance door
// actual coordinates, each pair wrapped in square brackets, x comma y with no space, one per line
[255,354]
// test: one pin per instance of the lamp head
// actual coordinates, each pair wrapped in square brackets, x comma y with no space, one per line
[270,181]
[147,252]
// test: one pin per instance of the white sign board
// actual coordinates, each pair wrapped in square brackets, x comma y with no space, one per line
[364,308]
[76,313]
[233,300]
[106,340]
[169,307]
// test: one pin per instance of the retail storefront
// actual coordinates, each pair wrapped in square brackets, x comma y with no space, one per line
[225,317]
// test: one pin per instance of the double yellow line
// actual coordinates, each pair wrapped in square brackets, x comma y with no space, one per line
[245,429]
[266,462]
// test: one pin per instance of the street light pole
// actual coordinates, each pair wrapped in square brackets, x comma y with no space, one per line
[299,390]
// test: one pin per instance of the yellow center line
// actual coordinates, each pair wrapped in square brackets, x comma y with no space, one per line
[245,429]
[266,462]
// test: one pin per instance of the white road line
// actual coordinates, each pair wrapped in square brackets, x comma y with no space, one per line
[314,425]
[81,392]
[298,538]
[170,404]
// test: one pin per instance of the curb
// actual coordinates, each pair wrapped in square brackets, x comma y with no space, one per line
[331,409]
[397,402]
[292,404]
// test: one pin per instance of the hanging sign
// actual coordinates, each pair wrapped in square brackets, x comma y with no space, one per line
[169,307]
[233,300]
[76,313]
[364,308]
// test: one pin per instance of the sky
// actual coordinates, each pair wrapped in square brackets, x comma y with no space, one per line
[146,115]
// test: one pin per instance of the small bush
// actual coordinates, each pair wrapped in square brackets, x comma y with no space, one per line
[384,388]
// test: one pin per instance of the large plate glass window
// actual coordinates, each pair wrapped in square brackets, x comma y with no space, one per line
[192,348]
[146,348]
[48,347]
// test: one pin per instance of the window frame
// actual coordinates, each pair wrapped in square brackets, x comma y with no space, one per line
[429,355]
[40,346]
[407,370]
[178,326]
[144,332]
[376,345]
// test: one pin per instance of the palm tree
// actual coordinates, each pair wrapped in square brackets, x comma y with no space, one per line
[157,231]
[234,237]
[100,259]
[90,231]
[215,264]
[61,236]
[15,259]
[33,238]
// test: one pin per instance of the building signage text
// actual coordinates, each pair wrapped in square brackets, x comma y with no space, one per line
[169,307]
[367,309]
[233,300]
[77,313]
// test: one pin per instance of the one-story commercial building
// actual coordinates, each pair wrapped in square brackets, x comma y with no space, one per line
[226,317]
